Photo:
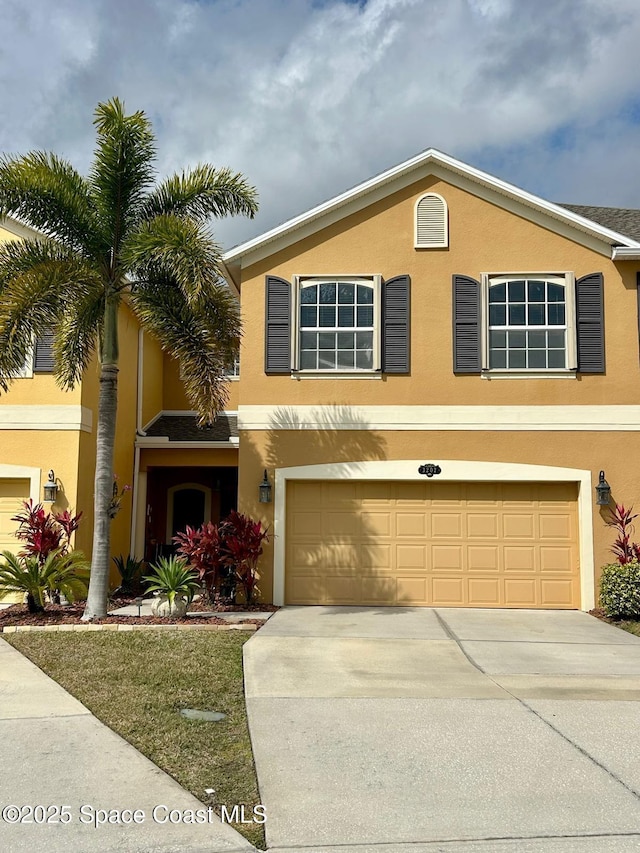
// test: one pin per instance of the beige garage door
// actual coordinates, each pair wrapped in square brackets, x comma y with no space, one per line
[444,544]
[12,492]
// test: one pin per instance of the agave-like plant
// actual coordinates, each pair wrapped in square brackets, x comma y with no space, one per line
[171,576]
[59,573]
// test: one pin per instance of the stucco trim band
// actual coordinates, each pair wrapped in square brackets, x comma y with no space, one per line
[46,418]
[452,471]
[561,418]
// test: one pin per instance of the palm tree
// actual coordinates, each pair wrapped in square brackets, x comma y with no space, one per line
[112,236]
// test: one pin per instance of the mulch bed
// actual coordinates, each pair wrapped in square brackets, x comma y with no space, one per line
[71,614]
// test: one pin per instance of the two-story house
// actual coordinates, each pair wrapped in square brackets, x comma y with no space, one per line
[435,368]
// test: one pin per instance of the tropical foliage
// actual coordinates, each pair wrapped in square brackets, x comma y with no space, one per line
[43,532]
[42,580]
[172,577]
[623,548]
[110,237]
[130,571]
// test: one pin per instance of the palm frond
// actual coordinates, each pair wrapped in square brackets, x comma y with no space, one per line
[174,249]
[38,280]
[202,192]
[202,338]
[48,194]
[77,335]
[123,169]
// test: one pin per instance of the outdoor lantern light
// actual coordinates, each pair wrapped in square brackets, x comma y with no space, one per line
[50,488]
[603,491]
[265,489]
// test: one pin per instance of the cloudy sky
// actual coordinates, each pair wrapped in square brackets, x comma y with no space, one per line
[309,97]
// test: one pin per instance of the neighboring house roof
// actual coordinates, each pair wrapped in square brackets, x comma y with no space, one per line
[562,219]
[185,428]
[623,219]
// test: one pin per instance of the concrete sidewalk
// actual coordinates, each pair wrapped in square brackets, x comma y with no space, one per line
[410,730]
[55,753]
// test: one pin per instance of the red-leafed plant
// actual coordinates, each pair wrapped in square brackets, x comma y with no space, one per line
[623,548]
[201,548]
[44,532]
[242,539]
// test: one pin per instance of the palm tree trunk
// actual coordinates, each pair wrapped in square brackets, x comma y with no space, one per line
[105,443]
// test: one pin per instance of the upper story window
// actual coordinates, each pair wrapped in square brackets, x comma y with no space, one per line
[331,325]
[338,324]
[527,322]
[431,222]
[233,370]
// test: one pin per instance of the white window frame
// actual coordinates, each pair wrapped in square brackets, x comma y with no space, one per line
[374,281]
[26,372]
[567,280]
[444,243]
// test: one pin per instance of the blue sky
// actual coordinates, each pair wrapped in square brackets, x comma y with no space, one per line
[309,97]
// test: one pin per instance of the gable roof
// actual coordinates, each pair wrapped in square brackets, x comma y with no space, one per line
[622,219]
[571,221]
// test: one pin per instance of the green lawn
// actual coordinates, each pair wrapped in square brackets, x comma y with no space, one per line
[136,682]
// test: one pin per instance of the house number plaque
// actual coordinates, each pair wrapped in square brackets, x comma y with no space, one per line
[429,469]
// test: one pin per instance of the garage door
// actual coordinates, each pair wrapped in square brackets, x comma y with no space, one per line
[12,492]
[441,544]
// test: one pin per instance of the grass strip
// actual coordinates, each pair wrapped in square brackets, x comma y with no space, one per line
[137,682]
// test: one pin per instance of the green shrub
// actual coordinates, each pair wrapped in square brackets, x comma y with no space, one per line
[60,572]
[620,590]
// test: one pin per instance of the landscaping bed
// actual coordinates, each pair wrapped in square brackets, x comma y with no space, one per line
[630,625]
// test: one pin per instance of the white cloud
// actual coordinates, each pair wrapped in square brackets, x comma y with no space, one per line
[307,99]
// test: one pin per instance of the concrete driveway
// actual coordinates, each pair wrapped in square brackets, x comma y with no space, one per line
[411,730]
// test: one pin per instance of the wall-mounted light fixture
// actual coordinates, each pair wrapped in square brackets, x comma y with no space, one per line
[50,488]
[265,489]
[603,491]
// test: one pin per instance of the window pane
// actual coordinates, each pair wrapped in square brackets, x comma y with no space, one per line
[497,315]
[308,360]
[308,340]
[327,340]
[346,294]
[498,293]
[498,358]
[556,339]
[345,317]
[537,358]
[364,359]
[328,293]
[308,315]
[327,315]
[326,360]
[517,340]
[536,291]
[497,340]
[309,294]
[365,295]
[556,315]
[537,339]
[345,340]
[536,315]
[555,293]
[516,315]
[556,358]
[346,360]
[516,291]
[517,358]
[365,315]
[364,340]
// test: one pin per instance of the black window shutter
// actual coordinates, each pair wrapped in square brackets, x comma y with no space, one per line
[277,356]
[395,324]
[43,358]
[467,356]
[590,323]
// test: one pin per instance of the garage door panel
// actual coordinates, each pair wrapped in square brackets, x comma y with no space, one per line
[448,544]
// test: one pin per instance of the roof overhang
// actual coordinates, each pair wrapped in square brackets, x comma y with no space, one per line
[440,165]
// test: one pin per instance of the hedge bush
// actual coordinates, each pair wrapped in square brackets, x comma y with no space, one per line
[620,590]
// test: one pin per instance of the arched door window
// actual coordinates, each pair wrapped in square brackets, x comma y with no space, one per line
[187,504]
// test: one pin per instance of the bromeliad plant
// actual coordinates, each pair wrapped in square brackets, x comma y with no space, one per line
[173,578]
[42,580]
